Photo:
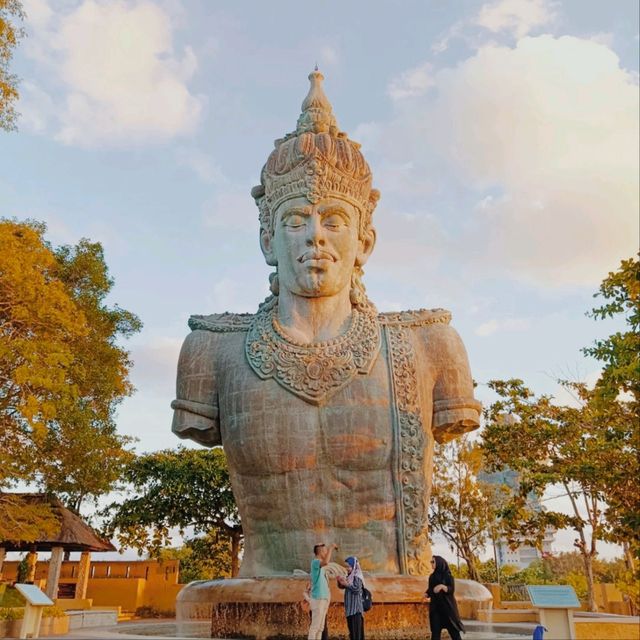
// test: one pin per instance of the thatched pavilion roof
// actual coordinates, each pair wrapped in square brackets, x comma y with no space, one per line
[74,534]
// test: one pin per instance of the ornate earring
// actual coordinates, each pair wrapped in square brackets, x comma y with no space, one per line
[356,293]
[274,283]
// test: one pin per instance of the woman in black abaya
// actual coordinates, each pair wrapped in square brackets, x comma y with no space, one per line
[443,610]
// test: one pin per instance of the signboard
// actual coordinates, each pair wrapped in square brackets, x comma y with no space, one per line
[553,596]
[33,595]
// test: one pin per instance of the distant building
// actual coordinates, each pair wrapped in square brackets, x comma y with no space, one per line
[523,555]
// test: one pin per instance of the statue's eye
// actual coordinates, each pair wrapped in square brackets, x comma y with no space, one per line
[294,221]
[333,221]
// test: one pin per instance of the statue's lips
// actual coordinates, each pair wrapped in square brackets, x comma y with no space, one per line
[316,259]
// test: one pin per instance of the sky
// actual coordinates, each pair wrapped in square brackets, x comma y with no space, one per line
[503,136]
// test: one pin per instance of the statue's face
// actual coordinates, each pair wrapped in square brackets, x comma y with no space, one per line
[315,246]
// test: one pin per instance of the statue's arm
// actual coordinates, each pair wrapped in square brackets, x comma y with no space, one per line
[455,410]
[196,407]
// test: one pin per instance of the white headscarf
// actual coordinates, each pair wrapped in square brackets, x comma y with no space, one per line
[356,571]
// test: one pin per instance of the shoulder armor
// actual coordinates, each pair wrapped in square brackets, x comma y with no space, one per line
[222,322]
[415,318]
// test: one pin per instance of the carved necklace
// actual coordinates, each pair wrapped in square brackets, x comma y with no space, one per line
[313,371]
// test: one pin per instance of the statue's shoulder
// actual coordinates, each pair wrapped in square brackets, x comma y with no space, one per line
[415,318]
[222,322]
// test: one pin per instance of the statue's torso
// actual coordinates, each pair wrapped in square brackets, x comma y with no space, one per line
[353,468]
[299,469]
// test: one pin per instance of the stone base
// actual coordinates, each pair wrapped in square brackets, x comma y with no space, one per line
[269,608]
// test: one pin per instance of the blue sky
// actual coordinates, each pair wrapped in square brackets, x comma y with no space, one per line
[502,135]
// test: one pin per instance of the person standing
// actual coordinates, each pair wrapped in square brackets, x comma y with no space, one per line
[353,585]
[320,596]
[443,610]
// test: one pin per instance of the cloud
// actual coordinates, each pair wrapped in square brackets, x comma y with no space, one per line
[518,17]
[38,12]
[122,81]
[232,208]
[202,164]
[154,365]
[545,136]
[413,82]
[36,107]
[508,324]
[329,55]
[506,18]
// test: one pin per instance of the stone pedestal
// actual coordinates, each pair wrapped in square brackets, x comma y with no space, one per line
[263,608]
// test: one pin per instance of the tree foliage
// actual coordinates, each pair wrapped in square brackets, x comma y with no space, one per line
[62,371]
[547,445]
[620,352]
[11,14]
[176,488]
[25,521]
[463,508]
[208,557]
[615,402]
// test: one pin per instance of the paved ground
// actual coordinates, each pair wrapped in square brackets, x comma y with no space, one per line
[158,630]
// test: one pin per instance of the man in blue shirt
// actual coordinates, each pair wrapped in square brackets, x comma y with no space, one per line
[320,596]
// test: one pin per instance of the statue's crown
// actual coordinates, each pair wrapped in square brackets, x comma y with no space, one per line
[316,161]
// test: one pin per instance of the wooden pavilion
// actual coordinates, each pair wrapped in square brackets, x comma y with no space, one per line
[73,535]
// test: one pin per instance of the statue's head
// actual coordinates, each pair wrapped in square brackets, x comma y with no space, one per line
[316,203]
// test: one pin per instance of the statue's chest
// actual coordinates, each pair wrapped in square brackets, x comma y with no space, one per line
[267,429]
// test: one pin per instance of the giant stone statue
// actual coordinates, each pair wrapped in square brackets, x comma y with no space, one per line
[327,409]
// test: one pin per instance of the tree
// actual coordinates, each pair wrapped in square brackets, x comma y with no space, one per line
[548,445]
[204,558]
[620,352]
[615,403]
[86,430]
[462,507]
[62,372]
[176,488]
[10,13]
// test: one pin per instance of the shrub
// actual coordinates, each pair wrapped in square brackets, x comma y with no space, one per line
[12,598]
[53,612]
[11,613]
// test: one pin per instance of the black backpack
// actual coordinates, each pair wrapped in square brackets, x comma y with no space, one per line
[367,599]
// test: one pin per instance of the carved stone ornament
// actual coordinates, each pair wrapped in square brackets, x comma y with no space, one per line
[314,371]
[410,442]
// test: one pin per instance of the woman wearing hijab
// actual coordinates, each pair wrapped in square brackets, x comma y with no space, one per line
[443,610]
[353,610]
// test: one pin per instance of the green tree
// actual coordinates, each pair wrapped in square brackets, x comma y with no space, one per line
[205,558]
[176,488]
[548,445]
[62,372]
[620,352]
[11,14]
[615,404]
[463,508]
[85,429]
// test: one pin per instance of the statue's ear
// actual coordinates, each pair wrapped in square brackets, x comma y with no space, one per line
[365,246]
[266,244]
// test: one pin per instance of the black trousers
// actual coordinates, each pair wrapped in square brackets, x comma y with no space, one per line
[355,624]
[438,625]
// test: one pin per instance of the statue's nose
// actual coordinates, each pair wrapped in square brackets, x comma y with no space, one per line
[315,231]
